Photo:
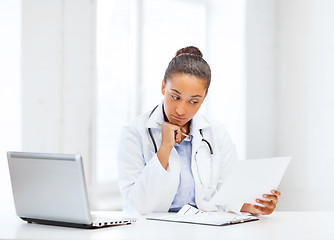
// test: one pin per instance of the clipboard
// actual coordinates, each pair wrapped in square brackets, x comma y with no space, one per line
[189,214]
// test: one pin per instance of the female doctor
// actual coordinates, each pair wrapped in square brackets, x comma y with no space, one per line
[173,155]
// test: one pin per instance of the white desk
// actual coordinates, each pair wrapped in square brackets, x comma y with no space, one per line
[279,225]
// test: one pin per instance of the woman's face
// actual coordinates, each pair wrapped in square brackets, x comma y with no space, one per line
[184,95]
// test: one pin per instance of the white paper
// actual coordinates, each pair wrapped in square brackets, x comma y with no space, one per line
[189,214]
[188,210]
[250,179]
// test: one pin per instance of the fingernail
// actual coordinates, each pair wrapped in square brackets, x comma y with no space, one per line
[257,200]
[272,191]
[265,195]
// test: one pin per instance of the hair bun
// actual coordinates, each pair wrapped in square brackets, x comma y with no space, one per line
[189,50]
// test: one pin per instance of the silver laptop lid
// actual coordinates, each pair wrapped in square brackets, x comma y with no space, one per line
[49,186]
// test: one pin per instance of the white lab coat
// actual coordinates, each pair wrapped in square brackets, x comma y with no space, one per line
[147,187]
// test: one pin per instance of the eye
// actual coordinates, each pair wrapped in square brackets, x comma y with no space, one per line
[193,102]
[175,97]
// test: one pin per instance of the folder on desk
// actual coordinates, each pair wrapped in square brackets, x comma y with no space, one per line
[189,214]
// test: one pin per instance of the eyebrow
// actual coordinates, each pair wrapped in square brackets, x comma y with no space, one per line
[181,93]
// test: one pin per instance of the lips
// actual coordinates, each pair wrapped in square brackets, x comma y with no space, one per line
[178,118]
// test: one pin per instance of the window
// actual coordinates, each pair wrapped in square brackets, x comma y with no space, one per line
[113,85]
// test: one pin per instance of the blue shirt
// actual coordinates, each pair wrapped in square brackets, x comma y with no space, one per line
[186,191]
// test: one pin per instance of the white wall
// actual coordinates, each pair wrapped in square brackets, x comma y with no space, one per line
[226,100]
[305,109]
[58,72]
[290,100]
[261,78]
[10,117]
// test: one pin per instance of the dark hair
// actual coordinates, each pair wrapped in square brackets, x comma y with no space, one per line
[189,60]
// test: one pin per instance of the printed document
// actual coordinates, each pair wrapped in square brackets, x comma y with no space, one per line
[249,180]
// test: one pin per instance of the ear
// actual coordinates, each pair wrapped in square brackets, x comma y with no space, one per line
[163,87]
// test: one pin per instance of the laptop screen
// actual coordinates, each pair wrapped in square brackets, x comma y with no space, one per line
[49,186]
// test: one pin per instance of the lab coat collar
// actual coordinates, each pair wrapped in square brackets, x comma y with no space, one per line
[198,121]
[157,116]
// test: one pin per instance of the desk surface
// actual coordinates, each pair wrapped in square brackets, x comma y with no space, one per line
[279,225]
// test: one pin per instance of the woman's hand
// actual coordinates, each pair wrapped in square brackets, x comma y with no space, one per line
[170,134]
[268,205]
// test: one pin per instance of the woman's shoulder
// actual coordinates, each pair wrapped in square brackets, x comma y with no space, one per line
[213,123]
[220,136]
[138,123]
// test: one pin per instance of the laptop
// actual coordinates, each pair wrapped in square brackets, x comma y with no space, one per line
[51,189]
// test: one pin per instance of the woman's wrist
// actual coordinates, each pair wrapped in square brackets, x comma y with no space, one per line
[163,155]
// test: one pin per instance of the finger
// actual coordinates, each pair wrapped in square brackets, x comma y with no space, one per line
[183,130]
[269,204]
[178,135]
[176,129]
[177,132]
[274,198]
[275,192]
[171,126]
[260,210]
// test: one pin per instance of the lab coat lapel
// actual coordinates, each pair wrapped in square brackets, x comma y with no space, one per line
[202,193]
[198,122]
[196,142]
[156,117]
[197,139]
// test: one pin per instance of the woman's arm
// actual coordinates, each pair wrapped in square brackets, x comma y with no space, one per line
[145,185]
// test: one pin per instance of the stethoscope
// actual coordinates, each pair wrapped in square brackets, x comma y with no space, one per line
[203,140]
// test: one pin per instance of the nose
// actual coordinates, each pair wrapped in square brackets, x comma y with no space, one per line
[181,109]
